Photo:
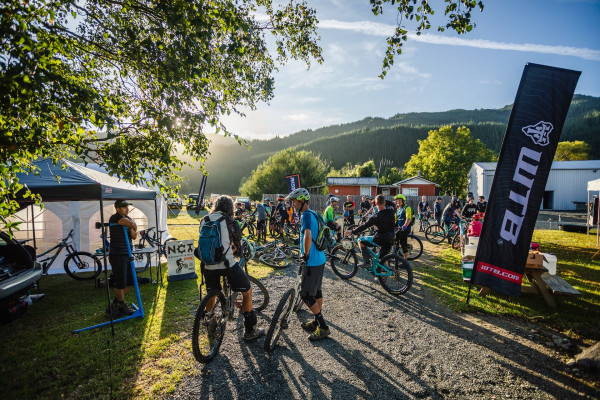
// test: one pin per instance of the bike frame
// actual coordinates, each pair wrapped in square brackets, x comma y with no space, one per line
[63,244]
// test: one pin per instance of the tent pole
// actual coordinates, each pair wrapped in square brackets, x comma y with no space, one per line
[33,226]
[104,250]
[158,269]
[587,218]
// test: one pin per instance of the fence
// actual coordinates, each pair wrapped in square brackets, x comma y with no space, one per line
[318,202]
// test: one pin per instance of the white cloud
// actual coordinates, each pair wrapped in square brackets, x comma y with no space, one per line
[386,30]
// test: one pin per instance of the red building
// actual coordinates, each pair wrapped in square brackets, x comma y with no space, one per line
[416,186]
[352,186]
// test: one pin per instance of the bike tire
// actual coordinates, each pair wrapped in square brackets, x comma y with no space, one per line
[344,265]
[205,345]
[260,295]
[415,247]
[274,262]
[435,234]
[141,261]
[402,275]
[456,242]
[280,319]
[292,251]
[82,266]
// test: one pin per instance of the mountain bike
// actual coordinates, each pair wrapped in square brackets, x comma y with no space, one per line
[393,271]
[415,246]
[148,238]
[79,265]
[209,326]
[424,220]
[436,233]
[461,239]
[277,254]
[290,301]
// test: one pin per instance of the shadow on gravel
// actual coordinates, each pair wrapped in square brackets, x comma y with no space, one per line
[524,362]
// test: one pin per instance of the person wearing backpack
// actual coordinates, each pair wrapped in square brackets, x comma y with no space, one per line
[385,221]
[312,275]
[405,218]
[218,245]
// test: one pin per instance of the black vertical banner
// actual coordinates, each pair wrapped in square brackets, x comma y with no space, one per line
[532,135]
[200,204]
[293,182]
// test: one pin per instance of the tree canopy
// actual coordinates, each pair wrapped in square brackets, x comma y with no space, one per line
[390,176]
[269,177]
[367,169]
[571,151]
[445,158]
[123,82]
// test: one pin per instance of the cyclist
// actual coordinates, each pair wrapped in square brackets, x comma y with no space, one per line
[261,218]
[451,214]
[281,211]
[470,208]
[349,206]
[385,221]
[312,276]
[365,206]
[481,204]
[423,208]
[290,212]
[231,241]
[437,211]
[273,223]
[329,216]
[404,215]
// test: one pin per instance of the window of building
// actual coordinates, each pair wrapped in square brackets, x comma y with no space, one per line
[410,191]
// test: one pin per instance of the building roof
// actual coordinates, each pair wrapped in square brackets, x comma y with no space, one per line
[352,181]
[418,180]
[563,165]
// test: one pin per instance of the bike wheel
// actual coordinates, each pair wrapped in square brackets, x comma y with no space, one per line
[435,234]
[141,261]
[292,251]
[81,266]
[274,261]
[402,276]
[280,319]
[344,263]
[260,296]
[209,328]
[415,247]
[456,242]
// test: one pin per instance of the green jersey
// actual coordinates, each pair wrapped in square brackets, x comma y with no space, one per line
[328,214]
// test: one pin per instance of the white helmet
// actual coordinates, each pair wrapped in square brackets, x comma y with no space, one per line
[299,194]
[334,199]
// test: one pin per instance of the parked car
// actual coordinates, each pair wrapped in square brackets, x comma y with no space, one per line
[246,202]
[18,269]
[192,200]
[174,202]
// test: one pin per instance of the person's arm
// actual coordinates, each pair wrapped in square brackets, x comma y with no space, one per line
[307,243]
[408,218]
[235,237]
[130,225]
[370,222]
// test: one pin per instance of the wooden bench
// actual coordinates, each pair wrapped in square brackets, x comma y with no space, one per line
[558,285]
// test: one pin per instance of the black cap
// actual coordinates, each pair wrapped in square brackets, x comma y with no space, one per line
[122,203]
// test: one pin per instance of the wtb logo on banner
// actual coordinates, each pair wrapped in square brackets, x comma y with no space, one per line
[293,182]
[530,142]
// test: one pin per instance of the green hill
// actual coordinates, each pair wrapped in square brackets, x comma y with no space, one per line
[375,138]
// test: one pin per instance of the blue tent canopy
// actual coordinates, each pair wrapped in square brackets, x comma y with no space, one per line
[68,181]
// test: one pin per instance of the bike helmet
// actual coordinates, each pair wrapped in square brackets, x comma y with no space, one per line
[333,198]
[267,200]
[280,197]
[400,196]
[299,194]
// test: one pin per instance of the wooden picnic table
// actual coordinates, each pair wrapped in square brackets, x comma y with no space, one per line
[542,283]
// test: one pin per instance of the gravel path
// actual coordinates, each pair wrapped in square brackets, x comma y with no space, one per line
[382,347]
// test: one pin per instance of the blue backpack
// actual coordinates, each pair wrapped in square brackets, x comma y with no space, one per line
[210,248]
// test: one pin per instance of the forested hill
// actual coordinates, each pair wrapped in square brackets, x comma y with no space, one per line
[394,139]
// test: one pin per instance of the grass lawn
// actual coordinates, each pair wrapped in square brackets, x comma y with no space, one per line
[43,359]
[578,317]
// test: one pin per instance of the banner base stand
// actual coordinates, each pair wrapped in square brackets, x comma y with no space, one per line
[175,278]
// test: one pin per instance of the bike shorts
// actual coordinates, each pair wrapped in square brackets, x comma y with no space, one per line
[312,280]
[121,269]
[235,275]
[333,226]
[261,224]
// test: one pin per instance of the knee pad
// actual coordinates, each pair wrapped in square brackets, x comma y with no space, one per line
[309,300]
[319,295]
[250,320]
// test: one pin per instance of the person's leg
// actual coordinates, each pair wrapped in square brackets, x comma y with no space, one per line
[365,242]
[240,283]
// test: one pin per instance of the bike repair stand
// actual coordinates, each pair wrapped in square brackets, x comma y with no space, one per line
[139,310]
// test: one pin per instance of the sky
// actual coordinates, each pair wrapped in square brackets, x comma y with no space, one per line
[437,71]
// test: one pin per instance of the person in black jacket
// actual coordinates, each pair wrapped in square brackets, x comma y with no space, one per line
[437,211]
[470,208]
[385,222]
